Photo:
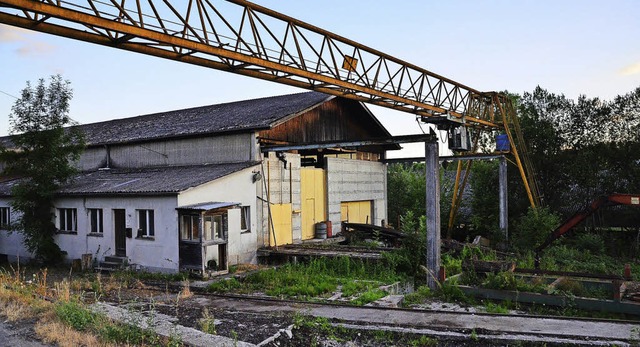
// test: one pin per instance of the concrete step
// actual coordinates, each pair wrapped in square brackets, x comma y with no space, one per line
[115,259]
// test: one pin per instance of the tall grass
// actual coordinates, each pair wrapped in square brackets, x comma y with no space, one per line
[316,278]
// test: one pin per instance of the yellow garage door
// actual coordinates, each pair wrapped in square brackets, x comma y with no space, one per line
[313,197]
[356,212]
[281,216]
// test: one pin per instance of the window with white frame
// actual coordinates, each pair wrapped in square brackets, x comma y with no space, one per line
[190,227]
[146,224]
[68,219]
[5,217]
[245,219]
[95,219]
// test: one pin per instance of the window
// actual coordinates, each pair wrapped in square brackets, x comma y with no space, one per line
[245,219]
[145,223]
[5,217]
[190,227]
[68,219]
[214,228]
[95,217]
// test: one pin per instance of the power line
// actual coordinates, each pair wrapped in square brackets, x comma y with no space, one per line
[7,94]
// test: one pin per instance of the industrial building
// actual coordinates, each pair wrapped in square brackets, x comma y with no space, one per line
[204,188]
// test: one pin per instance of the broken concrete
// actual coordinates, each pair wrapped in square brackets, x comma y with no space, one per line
[166,326]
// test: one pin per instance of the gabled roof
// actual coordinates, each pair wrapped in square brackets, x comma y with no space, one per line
[237,116]
[147,181]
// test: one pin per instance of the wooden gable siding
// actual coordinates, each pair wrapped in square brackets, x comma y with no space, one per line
[334,120]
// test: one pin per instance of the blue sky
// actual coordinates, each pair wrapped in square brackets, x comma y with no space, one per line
[572,47]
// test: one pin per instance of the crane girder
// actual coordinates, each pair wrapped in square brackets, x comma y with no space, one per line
[249,39]
[244,38]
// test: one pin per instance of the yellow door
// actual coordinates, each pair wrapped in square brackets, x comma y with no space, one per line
[313,197]
[281,216]
[356,212]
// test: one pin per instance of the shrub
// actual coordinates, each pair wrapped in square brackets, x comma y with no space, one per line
[533,228]
[591,242]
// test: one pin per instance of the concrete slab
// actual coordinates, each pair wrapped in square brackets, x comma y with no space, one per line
[552,328]
[164,325]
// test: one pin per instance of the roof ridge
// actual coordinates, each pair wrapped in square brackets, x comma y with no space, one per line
[198,107]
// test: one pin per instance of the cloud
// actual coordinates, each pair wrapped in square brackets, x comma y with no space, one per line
[632,69]
[35,48]
[11,34]
[28,44]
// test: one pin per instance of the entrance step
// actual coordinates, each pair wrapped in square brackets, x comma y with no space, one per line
[112,263]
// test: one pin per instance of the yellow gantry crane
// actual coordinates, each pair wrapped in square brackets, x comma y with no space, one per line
[244,38]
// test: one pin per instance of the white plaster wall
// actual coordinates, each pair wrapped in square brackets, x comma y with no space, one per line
[356,180]
[157,254]
[239,188]
[11,242]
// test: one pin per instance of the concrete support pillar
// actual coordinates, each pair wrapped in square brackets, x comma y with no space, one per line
[432,212]
[504,203]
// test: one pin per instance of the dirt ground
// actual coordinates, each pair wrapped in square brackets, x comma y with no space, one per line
[190,308]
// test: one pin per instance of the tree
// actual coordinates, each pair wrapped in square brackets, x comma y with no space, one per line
[42,158]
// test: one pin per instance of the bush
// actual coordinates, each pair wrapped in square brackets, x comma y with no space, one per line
[533,228]
[591,242]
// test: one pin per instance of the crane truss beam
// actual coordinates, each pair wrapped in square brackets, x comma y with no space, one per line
[248,39]
[244,38]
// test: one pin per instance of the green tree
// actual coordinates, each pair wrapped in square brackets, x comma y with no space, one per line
[42,157]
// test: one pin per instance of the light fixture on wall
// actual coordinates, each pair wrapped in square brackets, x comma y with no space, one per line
[257,176]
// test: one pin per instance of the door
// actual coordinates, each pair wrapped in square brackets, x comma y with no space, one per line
[281,219]
[356,212]
[313,195]
[120,225]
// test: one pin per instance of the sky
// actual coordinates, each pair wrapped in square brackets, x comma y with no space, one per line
[572,47]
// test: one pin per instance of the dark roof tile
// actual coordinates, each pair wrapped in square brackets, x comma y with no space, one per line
[234,116]
[159,180]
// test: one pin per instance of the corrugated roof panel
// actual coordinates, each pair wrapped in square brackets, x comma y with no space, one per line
[207,206]
[159,180]
[235,116]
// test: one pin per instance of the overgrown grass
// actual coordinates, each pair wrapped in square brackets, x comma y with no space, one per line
[317,278]
[369,296]
[63,319]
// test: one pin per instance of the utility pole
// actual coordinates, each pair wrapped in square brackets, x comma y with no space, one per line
[432,210]
[504,205]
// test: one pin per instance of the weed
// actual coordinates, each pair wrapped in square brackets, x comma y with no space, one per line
[63,290]
[474,335]
[234,336]
[74,315]
[186,290]
[207,322]
[370,295]
[449,291]
[423,341]
[491,307]
[417,297]
[352,287]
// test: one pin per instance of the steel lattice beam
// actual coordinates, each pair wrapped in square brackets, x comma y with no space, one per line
[248,39]
[259,43]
